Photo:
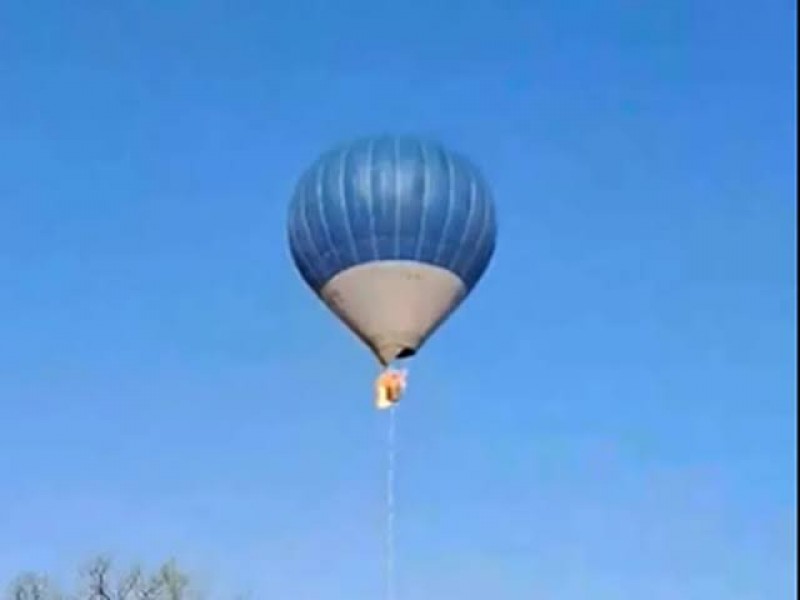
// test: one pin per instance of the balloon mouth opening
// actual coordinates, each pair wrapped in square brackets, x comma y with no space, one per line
[406,352]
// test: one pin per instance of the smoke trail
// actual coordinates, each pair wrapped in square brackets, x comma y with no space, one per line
[391,442]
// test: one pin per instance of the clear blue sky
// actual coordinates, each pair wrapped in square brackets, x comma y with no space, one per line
[609,416]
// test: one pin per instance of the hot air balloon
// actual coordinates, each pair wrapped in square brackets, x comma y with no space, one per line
[392,233]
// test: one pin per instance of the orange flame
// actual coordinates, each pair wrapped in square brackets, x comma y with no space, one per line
[389,386]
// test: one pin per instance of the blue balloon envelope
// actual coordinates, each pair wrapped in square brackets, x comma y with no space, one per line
[392,233]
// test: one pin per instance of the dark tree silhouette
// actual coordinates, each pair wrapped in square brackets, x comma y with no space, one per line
[100,581]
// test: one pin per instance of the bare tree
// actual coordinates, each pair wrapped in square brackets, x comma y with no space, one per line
[32,586]
[99,581]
